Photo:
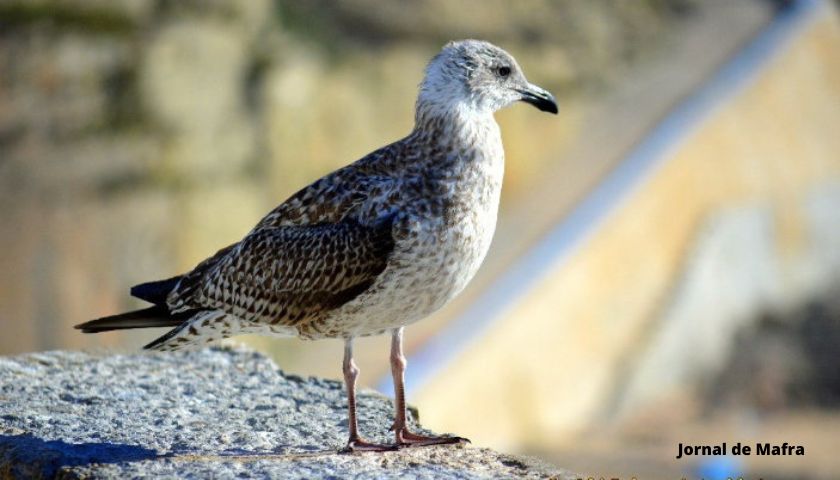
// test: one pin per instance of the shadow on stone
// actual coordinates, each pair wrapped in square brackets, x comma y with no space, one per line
[46,457]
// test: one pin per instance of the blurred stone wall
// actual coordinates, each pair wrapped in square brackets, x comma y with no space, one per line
[139,136]
[122,123]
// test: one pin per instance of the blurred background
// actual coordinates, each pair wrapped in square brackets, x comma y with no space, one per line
[667,262]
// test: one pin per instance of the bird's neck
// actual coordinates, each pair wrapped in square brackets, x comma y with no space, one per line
[465,147]
[456,125]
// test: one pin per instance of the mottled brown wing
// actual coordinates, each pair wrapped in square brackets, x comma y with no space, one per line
[289,275]
[336,195]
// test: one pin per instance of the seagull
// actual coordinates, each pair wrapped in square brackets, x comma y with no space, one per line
[369,248]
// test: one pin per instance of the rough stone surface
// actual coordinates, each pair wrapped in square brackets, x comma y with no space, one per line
[213,413]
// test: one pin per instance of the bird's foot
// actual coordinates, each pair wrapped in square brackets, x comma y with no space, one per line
[408,439]
[361,445]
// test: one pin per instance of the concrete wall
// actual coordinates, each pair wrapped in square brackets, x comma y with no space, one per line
[742,216]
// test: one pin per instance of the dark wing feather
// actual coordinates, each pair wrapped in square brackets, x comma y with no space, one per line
[186,287]
[155,292]
[156,316]
[290,275]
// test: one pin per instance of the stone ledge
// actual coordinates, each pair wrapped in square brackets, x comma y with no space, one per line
[218,412]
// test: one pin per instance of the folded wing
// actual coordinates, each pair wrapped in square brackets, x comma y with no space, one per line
[289,275]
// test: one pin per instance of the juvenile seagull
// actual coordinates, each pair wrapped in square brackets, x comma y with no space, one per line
[369,248]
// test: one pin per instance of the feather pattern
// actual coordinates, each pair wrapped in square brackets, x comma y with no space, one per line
[289,276]
[375,245]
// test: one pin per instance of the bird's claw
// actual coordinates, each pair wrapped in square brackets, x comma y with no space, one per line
[360,445]
[408,439]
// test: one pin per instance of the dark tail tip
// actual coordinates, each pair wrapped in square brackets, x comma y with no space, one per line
[155,316]
[155,292]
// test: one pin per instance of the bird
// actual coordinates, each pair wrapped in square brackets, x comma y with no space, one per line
[367,249]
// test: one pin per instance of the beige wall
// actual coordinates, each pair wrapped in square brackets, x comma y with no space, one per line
[550,366]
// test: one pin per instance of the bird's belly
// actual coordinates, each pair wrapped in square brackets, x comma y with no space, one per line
[427,269]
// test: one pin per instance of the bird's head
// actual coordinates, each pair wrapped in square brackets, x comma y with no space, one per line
[479,76]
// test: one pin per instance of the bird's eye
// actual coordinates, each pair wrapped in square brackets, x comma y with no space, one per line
[503,71]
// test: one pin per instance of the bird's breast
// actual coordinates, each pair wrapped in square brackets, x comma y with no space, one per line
[450,234]
[446,220]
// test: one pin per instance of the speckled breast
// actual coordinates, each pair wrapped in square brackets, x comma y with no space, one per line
[428,267]
[435,256]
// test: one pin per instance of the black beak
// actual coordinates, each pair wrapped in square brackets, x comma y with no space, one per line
[539,98]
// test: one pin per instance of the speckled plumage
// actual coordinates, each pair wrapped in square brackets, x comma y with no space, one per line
[378,244]
[371,247]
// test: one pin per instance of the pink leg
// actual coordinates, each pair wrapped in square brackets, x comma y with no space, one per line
[403,435]
[351,372]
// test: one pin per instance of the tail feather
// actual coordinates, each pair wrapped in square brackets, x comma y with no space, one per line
[155,292]
[188,335]
[156,316]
